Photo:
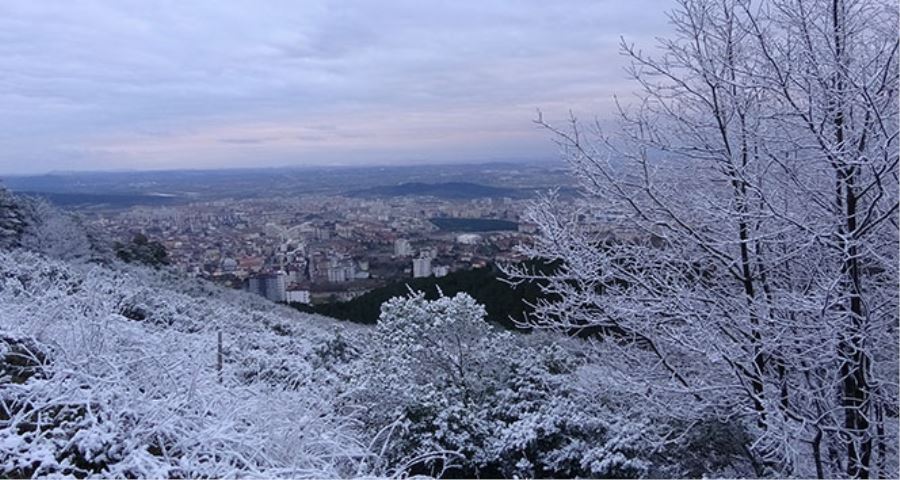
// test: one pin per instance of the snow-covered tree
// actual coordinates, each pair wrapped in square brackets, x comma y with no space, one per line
[12,220]
[487,403]
[754,274]
[53,232]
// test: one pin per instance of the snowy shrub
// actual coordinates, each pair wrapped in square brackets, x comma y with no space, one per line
[707,448]
[504,408]
[20,359]
[110,371]
[13,221]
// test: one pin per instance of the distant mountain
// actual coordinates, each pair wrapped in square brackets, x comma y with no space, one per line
[446,190]
[473,224]
[520,180]
[110,200]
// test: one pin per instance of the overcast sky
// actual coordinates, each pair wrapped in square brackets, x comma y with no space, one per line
[120,84]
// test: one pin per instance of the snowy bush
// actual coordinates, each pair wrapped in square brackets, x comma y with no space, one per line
[87,390]
[54,233]
[502,407]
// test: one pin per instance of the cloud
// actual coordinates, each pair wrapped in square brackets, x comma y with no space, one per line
[245,141]
[81,79]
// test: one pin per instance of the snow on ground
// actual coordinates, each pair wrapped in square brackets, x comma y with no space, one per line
[111,370]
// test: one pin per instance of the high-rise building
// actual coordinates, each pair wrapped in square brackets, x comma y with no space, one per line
[402,248]
[269,285]
[337,274]
[421,267]
[341,269]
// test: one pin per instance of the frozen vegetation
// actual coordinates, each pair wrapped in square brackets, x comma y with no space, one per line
[758,171]
[746,328]
[111,370]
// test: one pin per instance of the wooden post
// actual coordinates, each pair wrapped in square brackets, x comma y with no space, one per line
[219,357]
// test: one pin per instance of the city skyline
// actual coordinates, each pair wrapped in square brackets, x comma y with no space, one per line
[125,86]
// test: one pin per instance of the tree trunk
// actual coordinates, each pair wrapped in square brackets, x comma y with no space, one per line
[854,367]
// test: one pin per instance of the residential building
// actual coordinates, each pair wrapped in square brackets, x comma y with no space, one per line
[421,267]
[297,296]
[268,285]
[402,248]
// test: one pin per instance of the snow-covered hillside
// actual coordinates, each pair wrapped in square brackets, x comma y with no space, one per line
[111,369]
[114,370]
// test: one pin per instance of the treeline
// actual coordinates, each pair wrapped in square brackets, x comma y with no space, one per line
[473,224]
[505,303]
[142,250]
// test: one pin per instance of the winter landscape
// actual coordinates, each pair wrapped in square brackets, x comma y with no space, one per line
[505,240]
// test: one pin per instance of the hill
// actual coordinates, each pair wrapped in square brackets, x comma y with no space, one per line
[447,190]
[107,200]
[473,224]
[110,369]
[118,370]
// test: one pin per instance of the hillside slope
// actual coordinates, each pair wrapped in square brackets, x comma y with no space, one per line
[446,190]
[111,370]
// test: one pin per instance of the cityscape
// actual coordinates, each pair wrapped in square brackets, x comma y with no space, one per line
[308,239]
[328,242]
[317,249]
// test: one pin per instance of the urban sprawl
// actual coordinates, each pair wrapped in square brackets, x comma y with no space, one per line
[317,249]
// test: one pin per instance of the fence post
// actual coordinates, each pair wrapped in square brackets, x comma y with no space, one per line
[219,357]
